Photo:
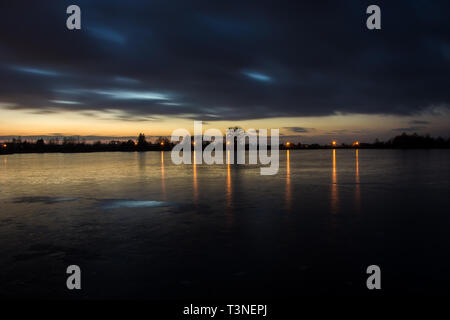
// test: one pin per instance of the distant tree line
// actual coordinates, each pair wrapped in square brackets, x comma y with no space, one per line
[414,141]
[72,145]
[403,141]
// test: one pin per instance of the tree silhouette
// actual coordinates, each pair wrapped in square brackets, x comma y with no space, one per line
[141,140]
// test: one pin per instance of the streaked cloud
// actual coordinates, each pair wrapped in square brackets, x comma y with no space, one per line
[132,95]
[257,76]
[65,102]
[107,34]
[126,80]
[171,104]
[299,129]
[36,71]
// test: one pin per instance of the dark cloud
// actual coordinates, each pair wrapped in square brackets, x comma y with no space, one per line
[408,129]
[420,122]
[216,60]
[299,129]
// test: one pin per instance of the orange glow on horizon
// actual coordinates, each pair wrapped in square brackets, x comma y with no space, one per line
[119,123]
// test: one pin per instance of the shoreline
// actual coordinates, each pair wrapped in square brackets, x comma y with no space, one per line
[169,149]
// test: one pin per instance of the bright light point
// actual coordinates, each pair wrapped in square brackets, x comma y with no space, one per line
[333,143]
[288,144]
[258,76]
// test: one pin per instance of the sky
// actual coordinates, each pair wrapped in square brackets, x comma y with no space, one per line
[308,68]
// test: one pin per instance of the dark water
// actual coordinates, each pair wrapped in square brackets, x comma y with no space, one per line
[141,227]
